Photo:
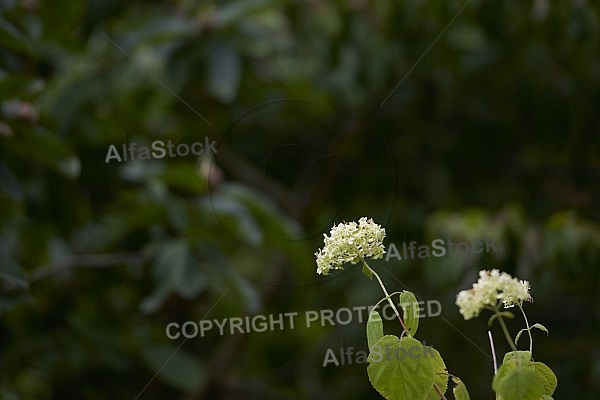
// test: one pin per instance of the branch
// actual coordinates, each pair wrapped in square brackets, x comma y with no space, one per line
[437,389]
[86,261]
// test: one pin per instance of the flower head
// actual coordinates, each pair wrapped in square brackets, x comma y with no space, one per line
[491,287]
[514,291]
[349,243]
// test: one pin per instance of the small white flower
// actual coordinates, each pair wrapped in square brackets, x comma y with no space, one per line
[467,304]
[491,287]
[514,292]
[349,243]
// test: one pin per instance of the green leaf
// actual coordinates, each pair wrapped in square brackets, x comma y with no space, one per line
[183,176]
[40,145]
[460,390]
[440,373]
[69,13]
[13,272]
[547,377]
[174,270]
[157,30]
[10,270]
[519,335]
[224,72]
[275,222]
[248,295]
[410,306]
[235,217]
[175,367]
[513,381]
[367,271]
[504,314]
[540,327]
[467,38]
[16,84]
[234,12]
[402,378]
[9,184]
[374,328]
[13,39]
[524,357]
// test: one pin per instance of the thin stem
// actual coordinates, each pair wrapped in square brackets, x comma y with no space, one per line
[493,352]
[506,334]
[388,296]
[385,298]
[438,390]
[528,331]
[86,261]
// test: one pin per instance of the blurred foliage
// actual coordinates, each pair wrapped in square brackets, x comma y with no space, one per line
[495,132]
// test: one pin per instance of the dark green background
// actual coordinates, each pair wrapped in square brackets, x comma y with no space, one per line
[495,132]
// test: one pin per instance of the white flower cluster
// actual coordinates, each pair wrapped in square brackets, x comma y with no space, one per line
[349,243]
[491,287]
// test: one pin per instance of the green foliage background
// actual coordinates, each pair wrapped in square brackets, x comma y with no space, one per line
[495,132]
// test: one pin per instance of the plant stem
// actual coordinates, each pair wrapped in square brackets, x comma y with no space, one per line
[387,295]
[528,331]
[439,391]
[493,352]
[506,334]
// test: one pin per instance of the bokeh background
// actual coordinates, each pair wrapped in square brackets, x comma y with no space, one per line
[494,132]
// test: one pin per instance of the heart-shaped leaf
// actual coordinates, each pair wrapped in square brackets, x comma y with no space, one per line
[547,377]
[515,381]
[440,373]
[399,369]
